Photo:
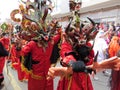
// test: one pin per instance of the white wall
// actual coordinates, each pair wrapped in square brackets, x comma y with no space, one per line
[110,15]
[92,2]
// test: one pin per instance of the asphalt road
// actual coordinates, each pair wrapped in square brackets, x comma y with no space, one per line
[12,83]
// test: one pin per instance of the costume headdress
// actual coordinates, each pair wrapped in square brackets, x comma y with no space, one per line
[33,22]
[79,33]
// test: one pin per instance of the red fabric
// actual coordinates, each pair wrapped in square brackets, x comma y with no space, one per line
[22,75]
[17,64]
[5,42]
[2,62]
[91,55]
[80,81]
[13,54]
[40,69]
[36,84]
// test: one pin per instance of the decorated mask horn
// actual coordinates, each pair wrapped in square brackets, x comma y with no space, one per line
[68,27]
[91,21]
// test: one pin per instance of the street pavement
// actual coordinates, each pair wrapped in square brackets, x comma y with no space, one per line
[11,81]
[103,81]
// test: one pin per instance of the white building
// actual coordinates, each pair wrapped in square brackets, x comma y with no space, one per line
[103,12]
[99,10]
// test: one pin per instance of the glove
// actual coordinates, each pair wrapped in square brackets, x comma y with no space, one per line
[78,66]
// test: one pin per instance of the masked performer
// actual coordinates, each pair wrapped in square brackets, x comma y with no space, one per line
[78,66]
[4,46]
[41,37]
[75,47]
[16,63]
[40,54]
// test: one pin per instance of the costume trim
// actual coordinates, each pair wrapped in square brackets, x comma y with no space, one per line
[70,82]
[30,71]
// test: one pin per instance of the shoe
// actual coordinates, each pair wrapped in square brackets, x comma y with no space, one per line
[1,86]
[106,73]
[95,78]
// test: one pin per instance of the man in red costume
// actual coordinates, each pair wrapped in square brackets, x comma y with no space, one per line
[4,46]
[78,81]
[42,38]
[78,67]
[40,53]
[75,47]
[17,64]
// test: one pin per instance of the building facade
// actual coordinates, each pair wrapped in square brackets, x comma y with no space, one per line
[107,11]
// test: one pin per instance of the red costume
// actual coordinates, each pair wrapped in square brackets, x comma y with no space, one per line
[78,81]
[42,38]
[41,58]
[16,63]
[5,43]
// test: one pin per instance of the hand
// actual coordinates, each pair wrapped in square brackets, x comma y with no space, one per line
[111,63]
[18,43]
[59,71]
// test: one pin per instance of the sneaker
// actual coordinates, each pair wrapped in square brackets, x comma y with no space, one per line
[106,73]
[95,78]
